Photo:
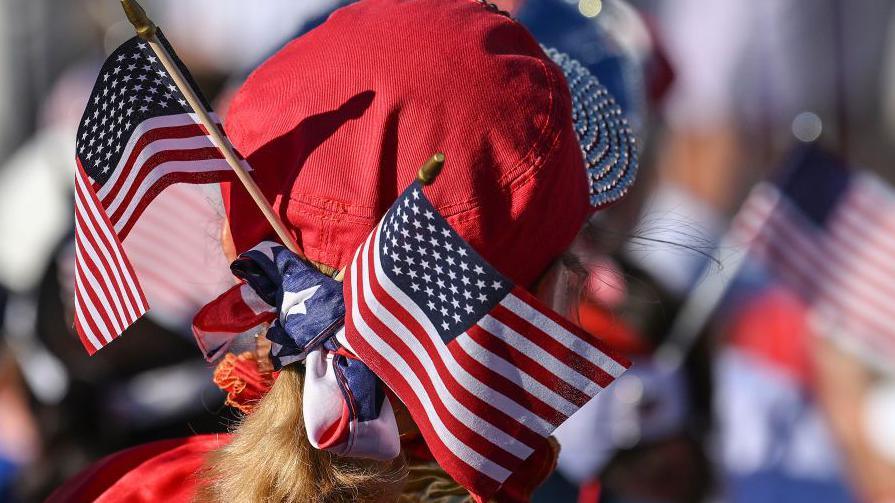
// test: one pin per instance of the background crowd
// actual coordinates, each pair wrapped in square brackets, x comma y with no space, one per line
[746,405]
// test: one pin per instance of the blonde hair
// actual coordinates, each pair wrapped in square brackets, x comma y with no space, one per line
[270,459]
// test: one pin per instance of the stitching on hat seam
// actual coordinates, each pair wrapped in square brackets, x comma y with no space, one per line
[330,204]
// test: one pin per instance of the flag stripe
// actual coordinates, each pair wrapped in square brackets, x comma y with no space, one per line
[214,173]
[117,317]
[184,125]
[511,381]
[572,357]
[156,153]
[531,366]
[85,237]
[498,408]
[551,324]
[177,162]
[97,223]
[537,353]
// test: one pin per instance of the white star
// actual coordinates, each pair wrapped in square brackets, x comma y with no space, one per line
[296,301]
[397,270]
[416,194]
[429,214]
[446,232]
[479,270]
[464,266]
[445,325]
[483,297]
[468,309]
[462,252]
[415,286]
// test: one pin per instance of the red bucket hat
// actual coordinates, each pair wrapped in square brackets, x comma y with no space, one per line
[337,123]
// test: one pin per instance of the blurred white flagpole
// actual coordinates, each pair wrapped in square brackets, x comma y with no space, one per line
[704,298]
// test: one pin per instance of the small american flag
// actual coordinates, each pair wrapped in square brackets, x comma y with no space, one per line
[827,232]
[137,136]
[485,369]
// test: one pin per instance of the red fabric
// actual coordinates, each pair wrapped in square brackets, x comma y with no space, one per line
[590,492]
[338,122]
[159,471]
[613,331]
[773,327]
[242,380]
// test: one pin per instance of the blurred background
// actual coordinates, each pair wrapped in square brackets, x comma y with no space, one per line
[743,388]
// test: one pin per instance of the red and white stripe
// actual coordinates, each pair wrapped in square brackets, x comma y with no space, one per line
[161,151]
[845,269]
[176,251]
[108,297]
[488,399]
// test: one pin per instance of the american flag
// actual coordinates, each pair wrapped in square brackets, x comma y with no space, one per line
[137,136]
[486,370]
[827,231]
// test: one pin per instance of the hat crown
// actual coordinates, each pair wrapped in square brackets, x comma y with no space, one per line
[338,122]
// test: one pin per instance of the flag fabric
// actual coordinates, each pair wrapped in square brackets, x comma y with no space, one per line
[184,221]
[827,232]
[301,312]
[137,136]
[486,370]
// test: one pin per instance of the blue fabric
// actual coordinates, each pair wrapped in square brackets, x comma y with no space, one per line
[310,310]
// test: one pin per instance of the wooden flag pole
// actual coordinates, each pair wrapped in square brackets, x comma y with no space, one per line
[146,30]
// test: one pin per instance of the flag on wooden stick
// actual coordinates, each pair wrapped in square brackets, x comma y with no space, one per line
[485,369]
[138,135]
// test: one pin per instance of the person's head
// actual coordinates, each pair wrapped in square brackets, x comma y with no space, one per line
[336,125]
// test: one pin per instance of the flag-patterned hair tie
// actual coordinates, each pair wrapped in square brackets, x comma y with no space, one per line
[607,140]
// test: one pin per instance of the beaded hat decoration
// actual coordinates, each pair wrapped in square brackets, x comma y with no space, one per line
[607,140]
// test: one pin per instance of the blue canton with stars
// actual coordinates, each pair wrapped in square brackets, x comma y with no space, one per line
[133,86]
[435,267]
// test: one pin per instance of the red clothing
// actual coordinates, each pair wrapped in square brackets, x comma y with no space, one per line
[158,471]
